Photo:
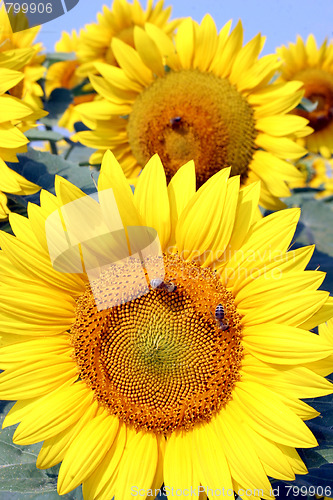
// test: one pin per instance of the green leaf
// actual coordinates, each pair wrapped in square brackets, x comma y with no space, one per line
[43,135]
[79,153]
[307,105]
[318,457]
[19,477]
[56,105]
[42,167]
[60,56]
[315,227]
[75,495]
[317,221]
[79,89]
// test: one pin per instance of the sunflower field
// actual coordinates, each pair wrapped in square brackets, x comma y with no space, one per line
[166,259]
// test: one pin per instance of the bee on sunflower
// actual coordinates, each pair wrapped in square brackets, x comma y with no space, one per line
[93,43]
[205,97]
[149,388]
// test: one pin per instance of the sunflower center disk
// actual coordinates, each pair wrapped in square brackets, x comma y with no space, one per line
[189,115]
[318,85]
[161,361]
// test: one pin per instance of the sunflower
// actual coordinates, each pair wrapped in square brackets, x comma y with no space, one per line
[27,55]
[314,67]
[126,364]
[15,117]
[119,21]
[207,98]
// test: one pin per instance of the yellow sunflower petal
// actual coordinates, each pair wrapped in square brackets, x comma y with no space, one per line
[260,292]
[47,375]
[294,459]
[12,108]
[281,125]
[87,451]
[112,177]
[95,483]
[245,467]
[205,43]
[33,349]
[292,261]
[245,215]
[180,191]
[9,78]
[211,463]
[245,58]
[25,255]
[271,454]
[152,201]
[148,51]
[289,345]
[322,315]
[185,43]
[227,55]
[54,413]
[292,310]
[138,465]
[54,449]
[131,62]
[258,245]
[193,234]
[272,418]
[164,44]
[178,462]
[222,243]
[296,381]
[117,76]
[281,147]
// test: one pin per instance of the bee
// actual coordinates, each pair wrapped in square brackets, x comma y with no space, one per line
[221,322]
[158,284]
[176,121]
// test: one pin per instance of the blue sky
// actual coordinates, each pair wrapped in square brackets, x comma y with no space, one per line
[279,20]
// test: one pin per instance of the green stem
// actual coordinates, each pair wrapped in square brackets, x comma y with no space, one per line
[53,146]
[70,149]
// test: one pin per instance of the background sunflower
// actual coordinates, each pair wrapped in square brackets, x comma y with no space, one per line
[305,62]
[206,98]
